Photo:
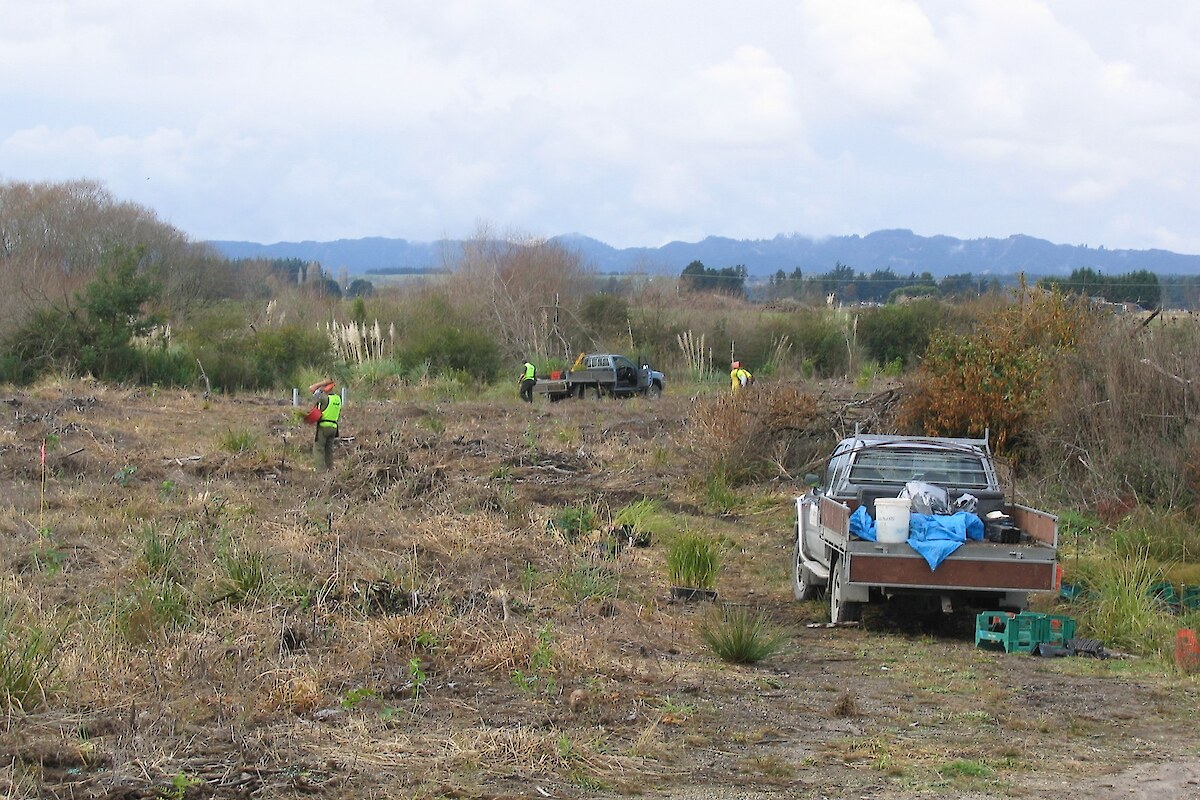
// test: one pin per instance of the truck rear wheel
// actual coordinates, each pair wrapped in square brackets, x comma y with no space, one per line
[840,609]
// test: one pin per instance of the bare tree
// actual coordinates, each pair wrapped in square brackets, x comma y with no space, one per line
[54,235]
[525,287]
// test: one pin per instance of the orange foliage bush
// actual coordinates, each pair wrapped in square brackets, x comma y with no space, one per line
[995,378]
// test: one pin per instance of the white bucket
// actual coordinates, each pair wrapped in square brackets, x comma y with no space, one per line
[891,519]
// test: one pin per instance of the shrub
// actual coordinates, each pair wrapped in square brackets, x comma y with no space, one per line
[995,379]
[899,331]
[1118,420]
[605,314]
[239,357]
[741,635]
[449,347]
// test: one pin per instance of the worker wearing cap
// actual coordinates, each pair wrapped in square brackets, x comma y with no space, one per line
[739,377]
[327,408]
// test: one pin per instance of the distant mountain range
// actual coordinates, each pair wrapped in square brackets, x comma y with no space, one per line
[902,251]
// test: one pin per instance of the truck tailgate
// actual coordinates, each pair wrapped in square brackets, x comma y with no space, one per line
[973,566]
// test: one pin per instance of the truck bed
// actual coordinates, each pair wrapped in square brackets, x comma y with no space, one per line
[976,565]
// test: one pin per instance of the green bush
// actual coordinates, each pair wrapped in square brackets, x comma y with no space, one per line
[238,358]
[899,332]
[605,314]
[449,347]
[166,367]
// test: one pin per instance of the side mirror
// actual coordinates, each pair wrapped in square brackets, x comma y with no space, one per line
[811,479]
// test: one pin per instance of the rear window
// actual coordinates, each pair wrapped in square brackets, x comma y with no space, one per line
[892,466]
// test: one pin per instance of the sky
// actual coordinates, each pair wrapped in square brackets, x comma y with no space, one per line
[636,123]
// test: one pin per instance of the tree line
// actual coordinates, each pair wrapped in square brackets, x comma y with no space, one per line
[849,286]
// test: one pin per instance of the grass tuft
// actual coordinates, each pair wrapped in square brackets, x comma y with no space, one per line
[741,635]
[238,442]
[693,561]
[28,661]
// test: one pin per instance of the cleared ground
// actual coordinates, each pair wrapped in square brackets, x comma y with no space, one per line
[424,621]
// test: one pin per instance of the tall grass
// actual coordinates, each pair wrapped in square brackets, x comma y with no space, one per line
[1119,608]
[28,662]
[693,561]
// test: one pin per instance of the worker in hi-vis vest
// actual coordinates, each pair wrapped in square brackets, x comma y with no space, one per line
[739,377]
[527,382]
[326,410]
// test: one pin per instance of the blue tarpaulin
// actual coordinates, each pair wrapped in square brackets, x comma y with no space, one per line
[933,536]
[861,524]
[936,536]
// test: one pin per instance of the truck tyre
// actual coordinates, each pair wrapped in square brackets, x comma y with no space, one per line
[840,610]
[654,391]
[802,580]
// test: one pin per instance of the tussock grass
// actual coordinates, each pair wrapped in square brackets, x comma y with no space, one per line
[238,441]
[741,635]
[693,561]
[1119,608]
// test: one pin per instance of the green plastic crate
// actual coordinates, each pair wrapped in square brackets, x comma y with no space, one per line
[1016,633]
[1165,593]
[1191,598]
[1055,629]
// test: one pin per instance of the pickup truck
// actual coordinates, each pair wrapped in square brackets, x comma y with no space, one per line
[853,571]
[602,374]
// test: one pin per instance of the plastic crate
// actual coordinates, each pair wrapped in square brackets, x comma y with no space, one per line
[1016,633]
[1164,592]
[1191,598]
[1056,628]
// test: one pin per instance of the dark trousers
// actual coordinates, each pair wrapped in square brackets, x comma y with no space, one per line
[527,389]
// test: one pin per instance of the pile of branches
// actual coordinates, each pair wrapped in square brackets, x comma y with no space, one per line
[779,431]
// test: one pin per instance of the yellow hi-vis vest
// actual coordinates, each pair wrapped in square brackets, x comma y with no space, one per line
[329,416]
[529,370]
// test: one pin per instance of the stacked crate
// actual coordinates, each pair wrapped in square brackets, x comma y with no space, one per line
[1023,632]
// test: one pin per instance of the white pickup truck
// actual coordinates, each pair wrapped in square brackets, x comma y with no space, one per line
[995,573]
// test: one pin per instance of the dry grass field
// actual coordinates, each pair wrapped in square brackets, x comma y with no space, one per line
[190,611]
